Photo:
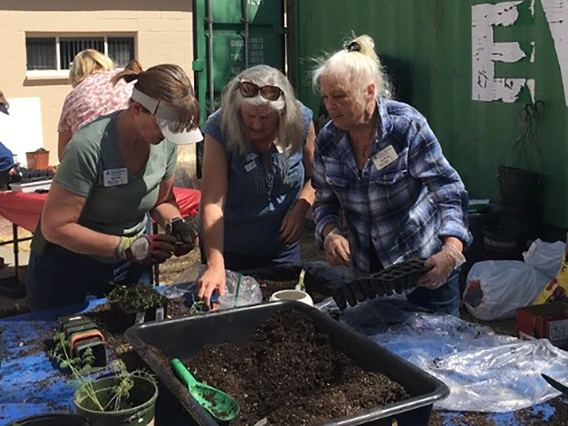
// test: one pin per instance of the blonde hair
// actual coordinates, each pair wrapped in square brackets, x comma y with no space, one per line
[86,63]
[290,122]
[169,84]
[358,63]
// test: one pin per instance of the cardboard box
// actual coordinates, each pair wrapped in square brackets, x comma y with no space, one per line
[549,321]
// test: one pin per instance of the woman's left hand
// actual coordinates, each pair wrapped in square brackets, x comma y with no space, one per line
[292,225]
[440,266]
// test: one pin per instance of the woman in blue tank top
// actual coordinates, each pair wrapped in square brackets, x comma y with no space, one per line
[256,187]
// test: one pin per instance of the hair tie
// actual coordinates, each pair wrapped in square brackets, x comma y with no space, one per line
[353,46]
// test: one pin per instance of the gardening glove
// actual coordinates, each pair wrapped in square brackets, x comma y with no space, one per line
[146,249]
[440,266]
[337,251]
[184,233]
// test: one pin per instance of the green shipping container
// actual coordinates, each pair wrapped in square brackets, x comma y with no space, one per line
[232,35]
[470,67]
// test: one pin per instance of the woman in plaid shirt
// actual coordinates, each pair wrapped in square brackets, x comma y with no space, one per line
[385,193]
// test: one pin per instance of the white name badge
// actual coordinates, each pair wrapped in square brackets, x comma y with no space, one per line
[251,165]
[385,157]
[115,177]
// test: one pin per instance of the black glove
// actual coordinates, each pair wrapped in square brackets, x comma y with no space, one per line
[184,233]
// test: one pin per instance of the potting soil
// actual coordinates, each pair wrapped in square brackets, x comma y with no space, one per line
[291,375]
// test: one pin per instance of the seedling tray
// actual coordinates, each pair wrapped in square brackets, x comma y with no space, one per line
[394,279]
[157,341]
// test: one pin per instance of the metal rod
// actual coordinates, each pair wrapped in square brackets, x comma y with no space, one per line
[209,20]
[244,4]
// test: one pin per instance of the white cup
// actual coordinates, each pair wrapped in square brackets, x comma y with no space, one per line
[292,294]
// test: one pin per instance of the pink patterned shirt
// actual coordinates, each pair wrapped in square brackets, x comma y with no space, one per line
[92,98]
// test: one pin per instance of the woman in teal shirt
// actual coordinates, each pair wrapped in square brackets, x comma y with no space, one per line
[113,172]
[256,186]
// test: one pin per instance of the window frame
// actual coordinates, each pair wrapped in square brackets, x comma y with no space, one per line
[64,73]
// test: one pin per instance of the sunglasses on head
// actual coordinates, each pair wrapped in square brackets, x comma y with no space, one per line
[250,90]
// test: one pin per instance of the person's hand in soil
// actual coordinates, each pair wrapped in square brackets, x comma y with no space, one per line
[440,266]
[146,249]
[185,235]
[213,279]
[337,250]
[292,225]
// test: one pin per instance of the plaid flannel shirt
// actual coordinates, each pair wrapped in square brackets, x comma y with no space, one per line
[405,208]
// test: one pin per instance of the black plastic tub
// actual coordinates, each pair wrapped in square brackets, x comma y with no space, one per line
[54,419]
[183,338]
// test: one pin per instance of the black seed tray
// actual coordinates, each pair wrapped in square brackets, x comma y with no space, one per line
[394,279]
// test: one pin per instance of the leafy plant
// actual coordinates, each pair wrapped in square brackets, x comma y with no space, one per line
[61,353]
[79,367]
[137,298]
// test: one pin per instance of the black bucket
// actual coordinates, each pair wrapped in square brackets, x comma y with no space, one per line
[518,187]
[59,419]
[500,244]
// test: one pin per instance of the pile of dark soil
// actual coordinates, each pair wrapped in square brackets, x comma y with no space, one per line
[289,373]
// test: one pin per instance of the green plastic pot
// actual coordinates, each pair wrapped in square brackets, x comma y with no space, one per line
[142,400]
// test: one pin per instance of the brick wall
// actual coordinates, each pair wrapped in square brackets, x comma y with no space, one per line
[162,36]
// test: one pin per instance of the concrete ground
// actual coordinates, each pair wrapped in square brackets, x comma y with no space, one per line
[7,253]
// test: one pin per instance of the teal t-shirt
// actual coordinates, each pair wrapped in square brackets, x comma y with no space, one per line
[118,209]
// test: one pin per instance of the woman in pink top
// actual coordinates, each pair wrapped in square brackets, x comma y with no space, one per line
[93,94]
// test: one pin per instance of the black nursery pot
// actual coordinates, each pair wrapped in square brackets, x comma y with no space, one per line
[59,419]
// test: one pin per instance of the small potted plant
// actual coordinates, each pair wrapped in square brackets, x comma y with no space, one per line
[135,305]
[122,398]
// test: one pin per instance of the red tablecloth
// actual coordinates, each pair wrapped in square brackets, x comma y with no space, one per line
[24,209]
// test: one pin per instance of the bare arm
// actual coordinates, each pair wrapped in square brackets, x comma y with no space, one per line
[166,207]
[59,225]
[213,195]
[64,138]
[308,194]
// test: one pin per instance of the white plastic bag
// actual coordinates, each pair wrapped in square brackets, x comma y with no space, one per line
[484,371]
[496,288]
[249,289]
[545,257]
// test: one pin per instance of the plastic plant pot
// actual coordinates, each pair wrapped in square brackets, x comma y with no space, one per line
[292,294]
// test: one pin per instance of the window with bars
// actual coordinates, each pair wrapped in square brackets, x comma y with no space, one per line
[57,53]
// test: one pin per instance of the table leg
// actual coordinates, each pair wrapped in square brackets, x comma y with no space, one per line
[16,256]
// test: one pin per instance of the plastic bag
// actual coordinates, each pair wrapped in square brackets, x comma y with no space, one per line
[545,257]
[186,283]
[485,372]
[496,288]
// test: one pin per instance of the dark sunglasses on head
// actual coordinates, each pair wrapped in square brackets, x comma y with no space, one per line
[250,90]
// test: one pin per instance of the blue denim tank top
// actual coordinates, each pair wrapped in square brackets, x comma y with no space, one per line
[261,188]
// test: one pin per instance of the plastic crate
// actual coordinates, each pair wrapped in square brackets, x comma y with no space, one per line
[184,337]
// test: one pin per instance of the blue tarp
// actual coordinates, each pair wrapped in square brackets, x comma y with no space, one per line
[31,384]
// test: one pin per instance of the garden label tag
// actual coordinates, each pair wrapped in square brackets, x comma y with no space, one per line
[140,318]
[115,177]
[159,314]
[385,157]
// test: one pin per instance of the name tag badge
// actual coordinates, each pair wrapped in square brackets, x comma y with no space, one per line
[385,157]
[115,177]
[251,165]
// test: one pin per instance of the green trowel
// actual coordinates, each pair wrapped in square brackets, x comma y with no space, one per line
[217,402]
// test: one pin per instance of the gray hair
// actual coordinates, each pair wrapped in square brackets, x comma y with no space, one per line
[357,63]
[290,124]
